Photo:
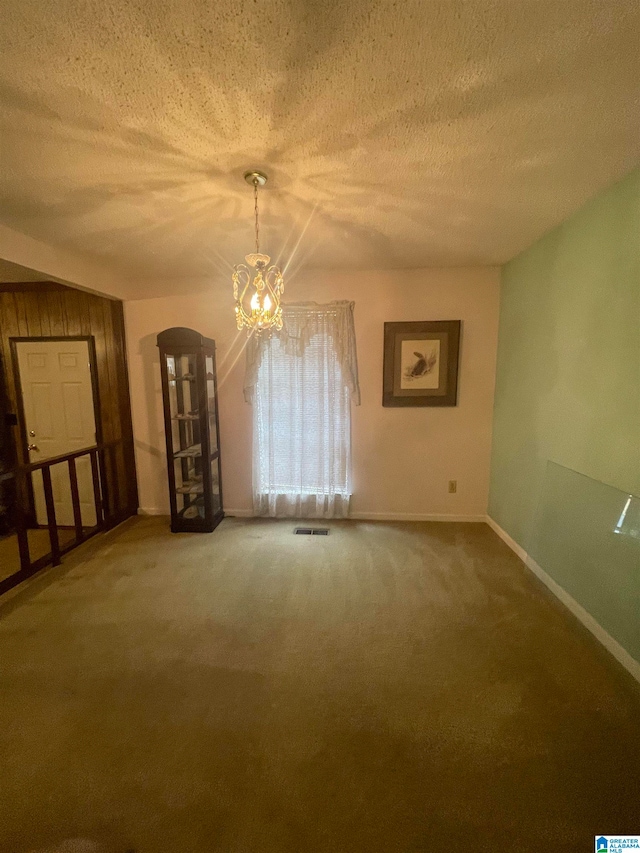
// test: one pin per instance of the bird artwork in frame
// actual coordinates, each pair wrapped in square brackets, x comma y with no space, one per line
[421,363]
[419,369]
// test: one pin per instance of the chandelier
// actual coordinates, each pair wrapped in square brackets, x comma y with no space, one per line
[257,301]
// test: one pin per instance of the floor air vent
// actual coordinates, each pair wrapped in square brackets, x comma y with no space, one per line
[312,531]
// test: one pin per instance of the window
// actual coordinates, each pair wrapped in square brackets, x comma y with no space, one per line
[304,381]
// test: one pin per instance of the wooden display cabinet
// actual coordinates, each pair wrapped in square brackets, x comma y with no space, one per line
[190,400]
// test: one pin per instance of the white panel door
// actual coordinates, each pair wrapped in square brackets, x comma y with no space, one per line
[57,393]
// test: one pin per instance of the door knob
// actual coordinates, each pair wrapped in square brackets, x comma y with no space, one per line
[32,433]
[33,447]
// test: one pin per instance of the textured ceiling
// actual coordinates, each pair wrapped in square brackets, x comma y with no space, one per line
[395,134]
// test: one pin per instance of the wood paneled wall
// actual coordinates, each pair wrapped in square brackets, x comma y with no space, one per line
[46,309]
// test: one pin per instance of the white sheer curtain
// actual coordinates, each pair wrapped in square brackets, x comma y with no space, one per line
[301,382]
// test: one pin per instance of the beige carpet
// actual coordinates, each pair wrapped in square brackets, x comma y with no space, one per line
[391,687]
[39,545]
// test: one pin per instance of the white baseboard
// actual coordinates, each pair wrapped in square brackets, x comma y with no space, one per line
[412,516]
[379,516]
[506,538]
[612,646]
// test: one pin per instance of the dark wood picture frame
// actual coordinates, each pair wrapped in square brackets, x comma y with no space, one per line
[433,368]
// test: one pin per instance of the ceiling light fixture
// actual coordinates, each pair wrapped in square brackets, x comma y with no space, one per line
[257,302]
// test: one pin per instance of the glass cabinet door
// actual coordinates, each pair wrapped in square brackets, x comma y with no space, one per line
[186,439]
[214,460]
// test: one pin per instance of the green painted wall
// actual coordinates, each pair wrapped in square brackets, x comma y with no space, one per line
[568,376]
[568,373]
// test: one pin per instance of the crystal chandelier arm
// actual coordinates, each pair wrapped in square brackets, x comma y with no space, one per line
[275,282]
[241,280]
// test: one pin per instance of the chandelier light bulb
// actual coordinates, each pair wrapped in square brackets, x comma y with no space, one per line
[257,296]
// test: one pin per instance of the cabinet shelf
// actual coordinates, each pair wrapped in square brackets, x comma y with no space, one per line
[193,510]
[190,489]
[189,452]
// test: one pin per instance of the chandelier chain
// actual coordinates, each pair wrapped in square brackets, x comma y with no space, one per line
[255,196]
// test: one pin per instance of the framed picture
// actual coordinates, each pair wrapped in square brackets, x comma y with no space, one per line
[421,363]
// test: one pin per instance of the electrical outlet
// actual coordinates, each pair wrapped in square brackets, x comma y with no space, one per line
[453,487]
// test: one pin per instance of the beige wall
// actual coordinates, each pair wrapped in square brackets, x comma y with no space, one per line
[402,458]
